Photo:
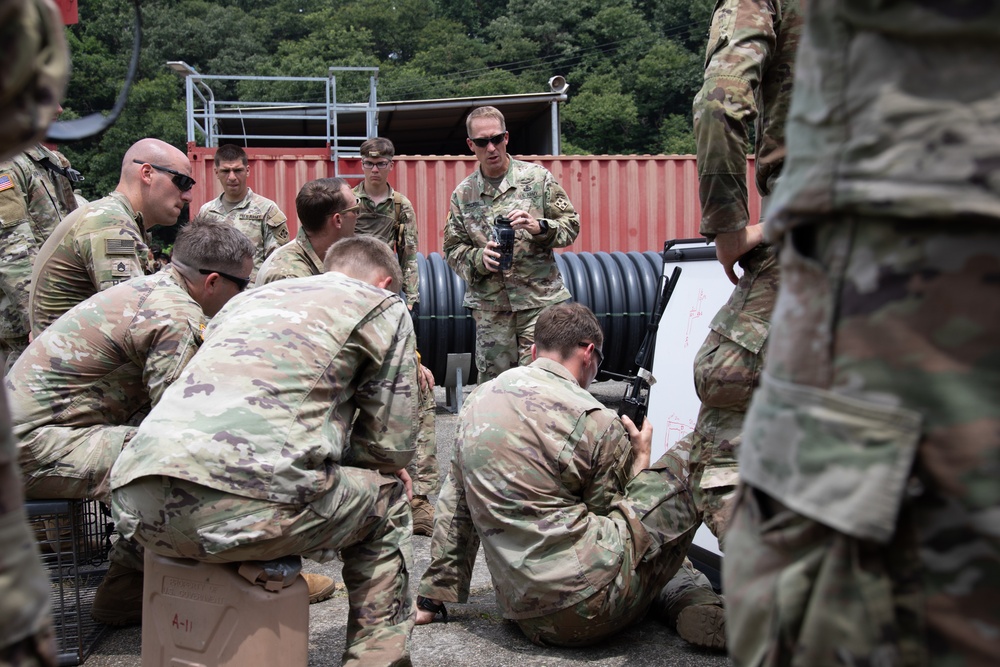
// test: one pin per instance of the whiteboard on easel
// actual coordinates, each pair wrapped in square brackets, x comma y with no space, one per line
[701,290]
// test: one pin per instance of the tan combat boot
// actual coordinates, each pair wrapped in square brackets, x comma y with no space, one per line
[320,587]
[423,516]
[689,604]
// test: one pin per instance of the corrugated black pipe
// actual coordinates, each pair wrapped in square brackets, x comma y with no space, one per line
[619,287]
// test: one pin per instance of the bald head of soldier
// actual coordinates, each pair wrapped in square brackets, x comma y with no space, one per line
[215,260]
[570,334]
[367,259]
[156,179]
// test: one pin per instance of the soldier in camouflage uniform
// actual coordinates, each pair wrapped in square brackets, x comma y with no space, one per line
[106,242]
[308,383]
[387,215]
[257,217]
[31,84]
[748,77]
[867,523]
[328,211]
[33,194]
[505,304]
[580,532]
[82,386]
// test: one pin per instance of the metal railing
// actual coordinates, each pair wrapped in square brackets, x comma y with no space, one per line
[206,115]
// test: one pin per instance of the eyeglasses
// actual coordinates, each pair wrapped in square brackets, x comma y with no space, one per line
[486,141]
[182,181]
[351,209]
[241,283]
[382,165]
[597,351]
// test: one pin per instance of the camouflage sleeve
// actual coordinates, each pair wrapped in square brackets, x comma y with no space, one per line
[454,545]
[408,222]
[383,436]
[43,212]
[741,41]
[17,253]
[111,256]
[611,464]
[562,218]
[275,231]
[462,255]
[170,350]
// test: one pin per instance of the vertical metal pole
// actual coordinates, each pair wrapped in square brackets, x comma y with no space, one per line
[189,97]
[556,139]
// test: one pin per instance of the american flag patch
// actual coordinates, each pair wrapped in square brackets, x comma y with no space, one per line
[119,246]
[5,183]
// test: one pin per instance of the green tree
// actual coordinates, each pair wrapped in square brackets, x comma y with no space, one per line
[601,117]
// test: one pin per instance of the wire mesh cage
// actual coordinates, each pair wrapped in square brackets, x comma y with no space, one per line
[73,537]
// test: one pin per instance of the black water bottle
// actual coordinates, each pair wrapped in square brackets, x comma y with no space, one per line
[503,234]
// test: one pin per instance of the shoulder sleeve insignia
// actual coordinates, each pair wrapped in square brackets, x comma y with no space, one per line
[561,203]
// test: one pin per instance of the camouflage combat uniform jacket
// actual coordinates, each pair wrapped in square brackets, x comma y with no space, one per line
[32,203]
[256,216]
[295,259]
[101,366]
[276,386]
[537,459]
[96,247]
[534,281]
[385,221]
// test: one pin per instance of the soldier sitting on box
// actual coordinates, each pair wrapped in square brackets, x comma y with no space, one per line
[288,434]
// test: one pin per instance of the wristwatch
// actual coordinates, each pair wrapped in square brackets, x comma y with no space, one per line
[543,226]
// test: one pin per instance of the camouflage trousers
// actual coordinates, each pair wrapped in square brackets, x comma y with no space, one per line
[364,519]
[651,554]
[66,462]
[726,371]
[867,525]
[12,347]
[503,340]
[423,468]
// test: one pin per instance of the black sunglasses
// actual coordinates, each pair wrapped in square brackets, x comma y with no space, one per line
[597,351]
[241,283]
[486,141]
[182,181]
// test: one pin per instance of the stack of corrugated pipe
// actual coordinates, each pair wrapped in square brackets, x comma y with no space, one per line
[620,287]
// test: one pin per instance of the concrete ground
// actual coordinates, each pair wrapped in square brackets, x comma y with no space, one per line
[477,635]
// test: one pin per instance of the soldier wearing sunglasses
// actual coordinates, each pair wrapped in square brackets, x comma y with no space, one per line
[506,304]
[106,242]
